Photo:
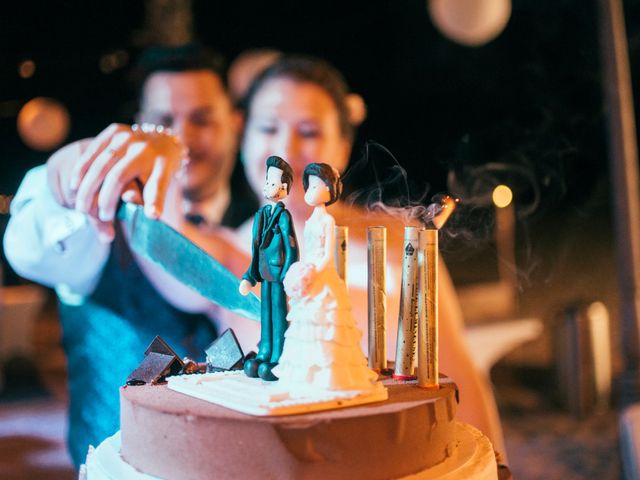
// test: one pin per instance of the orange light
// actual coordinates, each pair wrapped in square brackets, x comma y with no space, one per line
[43,123]
[27,68]
[5,203]
[470,22]
[502,196]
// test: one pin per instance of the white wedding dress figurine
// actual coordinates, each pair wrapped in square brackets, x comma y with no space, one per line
[322,344]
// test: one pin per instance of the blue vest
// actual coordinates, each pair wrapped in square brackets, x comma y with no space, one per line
[105,339]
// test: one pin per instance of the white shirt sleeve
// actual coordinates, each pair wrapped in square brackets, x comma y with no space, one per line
[50,244]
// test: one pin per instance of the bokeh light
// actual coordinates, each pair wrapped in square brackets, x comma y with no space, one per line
[5,204]
[598,310]
[502,196]
[43,123]
[470,22]
[27,68]
[111,62]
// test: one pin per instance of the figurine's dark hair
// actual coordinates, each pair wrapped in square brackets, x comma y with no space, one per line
[192,56]
[307,69]
[287,171]
[328,175]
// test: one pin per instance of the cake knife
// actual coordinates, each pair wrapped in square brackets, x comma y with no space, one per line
[184,260]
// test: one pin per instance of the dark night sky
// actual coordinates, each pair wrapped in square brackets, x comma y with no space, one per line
[530,98]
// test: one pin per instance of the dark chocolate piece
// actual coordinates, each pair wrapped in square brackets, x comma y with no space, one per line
[154,368]
[224,353]
[158,345]
[135,383]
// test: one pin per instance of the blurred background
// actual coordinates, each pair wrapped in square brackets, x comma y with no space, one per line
[468,95]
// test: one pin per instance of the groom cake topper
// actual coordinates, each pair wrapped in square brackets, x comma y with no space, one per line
[274,249]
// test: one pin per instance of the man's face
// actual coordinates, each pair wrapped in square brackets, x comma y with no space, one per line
[196,107]
[274,189]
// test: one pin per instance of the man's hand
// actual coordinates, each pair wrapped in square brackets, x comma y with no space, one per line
[119,156]
[110,166]
[59,168]
[245,287]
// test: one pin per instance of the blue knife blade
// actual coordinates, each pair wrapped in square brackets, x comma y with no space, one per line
[184,260]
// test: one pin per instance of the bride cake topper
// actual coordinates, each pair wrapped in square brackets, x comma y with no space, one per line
[322,348]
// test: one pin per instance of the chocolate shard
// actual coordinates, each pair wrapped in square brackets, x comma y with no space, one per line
[224,353]
[158,345]
[154,368]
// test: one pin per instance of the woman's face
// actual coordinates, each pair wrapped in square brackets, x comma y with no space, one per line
[297,121]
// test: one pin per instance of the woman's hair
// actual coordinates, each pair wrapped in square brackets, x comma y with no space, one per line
[312,70]
[328,175]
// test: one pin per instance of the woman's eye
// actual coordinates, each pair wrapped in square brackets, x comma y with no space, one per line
[312,133]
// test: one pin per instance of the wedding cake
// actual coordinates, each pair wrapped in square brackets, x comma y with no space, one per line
[412,435]
[227,425]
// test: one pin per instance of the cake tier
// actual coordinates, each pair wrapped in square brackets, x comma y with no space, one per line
[473,459]
[174,436]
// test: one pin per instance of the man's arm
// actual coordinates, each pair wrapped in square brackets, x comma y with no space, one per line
[50,244]
[253,272]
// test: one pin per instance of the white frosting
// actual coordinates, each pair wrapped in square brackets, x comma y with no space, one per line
[322,348]
[105,463]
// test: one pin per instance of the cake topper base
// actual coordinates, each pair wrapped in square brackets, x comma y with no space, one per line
[238,392]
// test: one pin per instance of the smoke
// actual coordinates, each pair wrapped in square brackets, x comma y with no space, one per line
[471,230]
[390,190]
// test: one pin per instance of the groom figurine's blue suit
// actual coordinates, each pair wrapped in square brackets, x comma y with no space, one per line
[274,249]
